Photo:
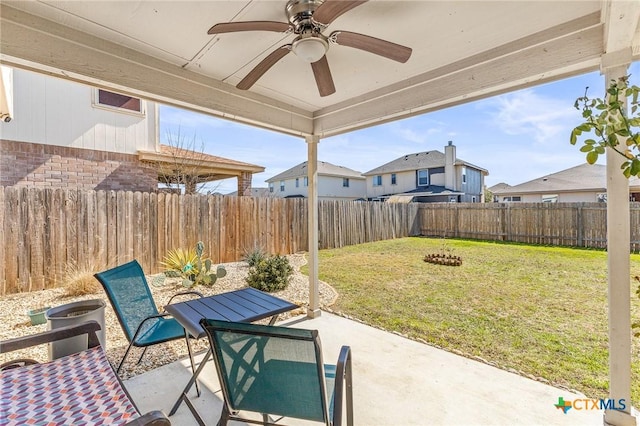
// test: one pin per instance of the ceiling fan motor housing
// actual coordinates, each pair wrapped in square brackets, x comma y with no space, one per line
[300,14]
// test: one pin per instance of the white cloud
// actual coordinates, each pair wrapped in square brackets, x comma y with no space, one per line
[528,113]
[412,136]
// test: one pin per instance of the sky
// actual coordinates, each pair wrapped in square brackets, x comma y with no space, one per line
[517,136]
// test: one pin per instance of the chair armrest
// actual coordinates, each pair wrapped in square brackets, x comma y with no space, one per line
[18,343]
[343,378]
[152,418]
[183,293]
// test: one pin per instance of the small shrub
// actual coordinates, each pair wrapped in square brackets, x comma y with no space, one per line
[270,274]
[254,256]
[192,266]
[79,280]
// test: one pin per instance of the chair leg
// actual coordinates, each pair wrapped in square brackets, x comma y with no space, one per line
[349,384]
[144,351]
[124,357]
[193,364]
[224,416]
[343,379]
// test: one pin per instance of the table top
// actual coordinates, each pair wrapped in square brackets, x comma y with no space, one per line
[244,305]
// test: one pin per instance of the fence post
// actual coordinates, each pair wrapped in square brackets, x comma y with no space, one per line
[580,226]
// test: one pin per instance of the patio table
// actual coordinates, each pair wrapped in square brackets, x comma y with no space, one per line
[244,305]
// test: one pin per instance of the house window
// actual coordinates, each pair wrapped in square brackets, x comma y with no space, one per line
[473,199]
[377,180]
[423,177]
[281,186]
[550,198]
[271,187]
[297,182]
[306,181]
[345,182]
[464,175]
[512,198]
[601,197]
[111,100]
[393,179]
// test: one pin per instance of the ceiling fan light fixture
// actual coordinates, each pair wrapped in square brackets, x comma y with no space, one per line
[310,49]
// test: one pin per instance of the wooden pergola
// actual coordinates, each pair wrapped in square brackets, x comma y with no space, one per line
[461,51]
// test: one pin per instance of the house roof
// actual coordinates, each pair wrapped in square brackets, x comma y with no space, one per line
[324,169]
[172,160]
[585,177]
[418,160]
[499,187]
[255,192]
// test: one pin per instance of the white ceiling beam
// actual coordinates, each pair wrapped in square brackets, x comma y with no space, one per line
[560,52]
[31,42]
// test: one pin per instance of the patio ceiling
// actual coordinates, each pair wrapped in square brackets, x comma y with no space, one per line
[462,50]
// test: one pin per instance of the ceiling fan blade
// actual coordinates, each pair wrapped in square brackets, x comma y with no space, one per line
[263,67]
[373,45]
[322,73]
[232,27]
[328,11]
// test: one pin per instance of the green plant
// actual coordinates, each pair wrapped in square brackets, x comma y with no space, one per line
[270,274]
[254,256]
[192,266]
[612,127]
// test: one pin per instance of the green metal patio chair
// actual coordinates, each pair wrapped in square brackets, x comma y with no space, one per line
[278,371]
[131,299]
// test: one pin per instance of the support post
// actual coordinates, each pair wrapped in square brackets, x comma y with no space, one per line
[312,176]
[619,286]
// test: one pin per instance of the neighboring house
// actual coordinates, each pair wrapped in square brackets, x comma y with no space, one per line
[497,188]
[67,135]
[583,183]
[254,192]
[334,182]
[427,177]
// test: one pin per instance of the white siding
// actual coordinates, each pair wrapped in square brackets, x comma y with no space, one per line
[52,111]
[563,197]
[329,188]
[578,197]
[405,181]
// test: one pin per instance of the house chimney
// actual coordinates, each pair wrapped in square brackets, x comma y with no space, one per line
[450,181]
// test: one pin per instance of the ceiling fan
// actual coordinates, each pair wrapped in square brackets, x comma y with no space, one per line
[308,19]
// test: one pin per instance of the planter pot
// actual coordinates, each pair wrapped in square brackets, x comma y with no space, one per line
[74,314]
[37,316]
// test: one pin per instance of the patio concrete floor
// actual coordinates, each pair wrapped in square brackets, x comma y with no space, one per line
[397,381]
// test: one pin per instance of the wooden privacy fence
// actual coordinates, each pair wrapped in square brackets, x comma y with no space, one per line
[344,223]
[45,230]
[565,224]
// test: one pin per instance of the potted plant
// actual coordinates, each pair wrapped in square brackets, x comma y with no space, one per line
[36,315]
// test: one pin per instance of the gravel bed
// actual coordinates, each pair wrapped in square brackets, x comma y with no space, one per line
[14,321]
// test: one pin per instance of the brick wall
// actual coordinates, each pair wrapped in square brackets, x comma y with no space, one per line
[244,183]
[50,166]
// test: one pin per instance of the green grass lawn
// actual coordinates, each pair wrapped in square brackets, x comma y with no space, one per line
[539,310]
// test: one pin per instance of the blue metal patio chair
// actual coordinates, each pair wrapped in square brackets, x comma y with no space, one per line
[131,299]
[278,371]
